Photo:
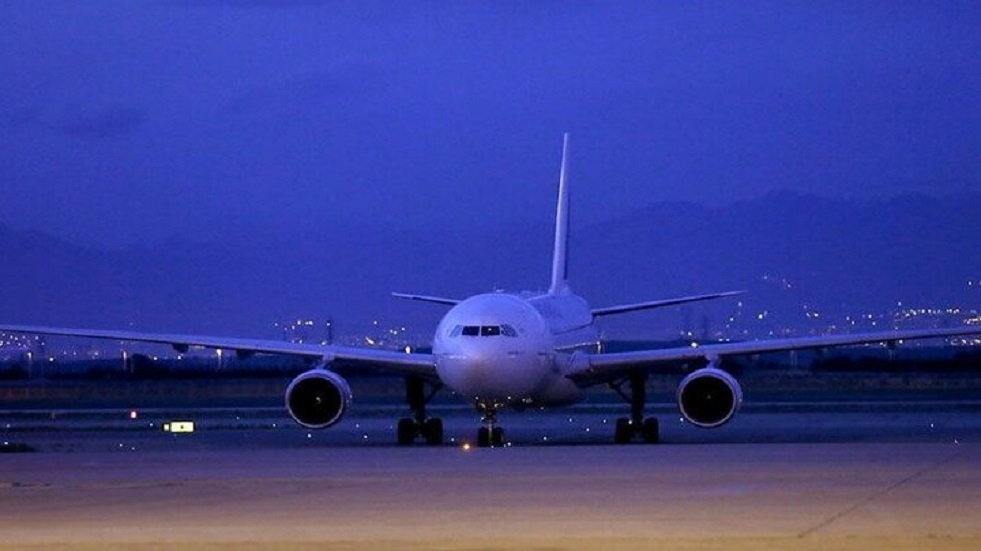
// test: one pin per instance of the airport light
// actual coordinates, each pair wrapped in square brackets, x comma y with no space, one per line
[179,427]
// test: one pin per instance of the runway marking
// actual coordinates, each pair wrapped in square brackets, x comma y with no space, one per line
[226,483]
[862,503]
[26,485]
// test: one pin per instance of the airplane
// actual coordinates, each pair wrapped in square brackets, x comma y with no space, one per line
[521,350]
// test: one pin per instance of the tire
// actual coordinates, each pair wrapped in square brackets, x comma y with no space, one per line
[497,437]
[652,430]
[406,432]
[623,432]
[483,437]
[434,431]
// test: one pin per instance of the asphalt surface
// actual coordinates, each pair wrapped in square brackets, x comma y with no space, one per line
[802,475]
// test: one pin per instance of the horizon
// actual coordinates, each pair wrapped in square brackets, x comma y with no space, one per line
[274,233]
[784,248]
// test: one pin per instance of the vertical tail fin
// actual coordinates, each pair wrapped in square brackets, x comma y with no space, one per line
[560,260]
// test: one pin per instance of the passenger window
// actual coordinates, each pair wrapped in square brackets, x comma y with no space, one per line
[471,330]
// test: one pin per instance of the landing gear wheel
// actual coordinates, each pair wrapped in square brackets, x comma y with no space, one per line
[636,425]
[624,431]
[651,430]
[406,431]
[497,437]
[419,425]
[433,430]
[489,434]
[483,437]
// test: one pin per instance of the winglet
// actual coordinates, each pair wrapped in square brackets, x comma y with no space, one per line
[560,260]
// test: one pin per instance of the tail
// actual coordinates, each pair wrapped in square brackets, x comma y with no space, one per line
[560,259]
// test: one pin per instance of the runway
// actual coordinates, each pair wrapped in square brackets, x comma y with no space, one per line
[856,480]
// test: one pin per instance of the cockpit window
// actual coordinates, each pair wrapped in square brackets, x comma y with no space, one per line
[483,331]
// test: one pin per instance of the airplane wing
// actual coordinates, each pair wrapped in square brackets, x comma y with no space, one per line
[587,368]
[349,356]
[619,309]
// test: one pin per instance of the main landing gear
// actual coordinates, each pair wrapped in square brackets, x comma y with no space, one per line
[627,429]
[419,426]
[490,435]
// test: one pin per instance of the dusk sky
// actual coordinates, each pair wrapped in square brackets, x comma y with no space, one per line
[122,122]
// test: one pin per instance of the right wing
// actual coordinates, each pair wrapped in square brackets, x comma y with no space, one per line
[586,368]
[422,365]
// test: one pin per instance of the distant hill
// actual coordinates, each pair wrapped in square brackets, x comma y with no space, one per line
[831,253]
[786,249]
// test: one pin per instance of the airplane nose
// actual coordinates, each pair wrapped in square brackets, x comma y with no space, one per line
[497,377]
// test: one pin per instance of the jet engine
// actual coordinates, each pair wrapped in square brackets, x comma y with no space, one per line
[318,398]
[709,397]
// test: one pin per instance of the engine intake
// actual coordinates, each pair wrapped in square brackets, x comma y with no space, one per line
[709,397]
[318,398]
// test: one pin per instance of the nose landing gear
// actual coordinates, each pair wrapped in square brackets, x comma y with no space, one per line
[419,426]
[490,435]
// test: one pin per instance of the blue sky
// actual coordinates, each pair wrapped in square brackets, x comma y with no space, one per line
[123,122]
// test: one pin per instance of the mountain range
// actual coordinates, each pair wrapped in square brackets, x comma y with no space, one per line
[793,254]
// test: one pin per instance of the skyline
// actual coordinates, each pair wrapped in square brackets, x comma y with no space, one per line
[132,123]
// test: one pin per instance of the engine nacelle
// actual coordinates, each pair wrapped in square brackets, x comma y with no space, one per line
[318,398]
[709,397]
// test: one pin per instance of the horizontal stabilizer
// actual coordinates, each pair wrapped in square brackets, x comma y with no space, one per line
[423,298]
[659,303]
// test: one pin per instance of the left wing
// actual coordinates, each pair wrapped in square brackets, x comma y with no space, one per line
[409,364]
[589,368]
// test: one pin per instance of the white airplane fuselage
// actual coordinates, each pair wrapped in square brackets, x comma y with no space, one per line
[501,349]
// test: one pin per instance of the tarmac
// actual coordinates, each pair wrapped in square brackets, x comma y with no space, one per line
[897,476]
